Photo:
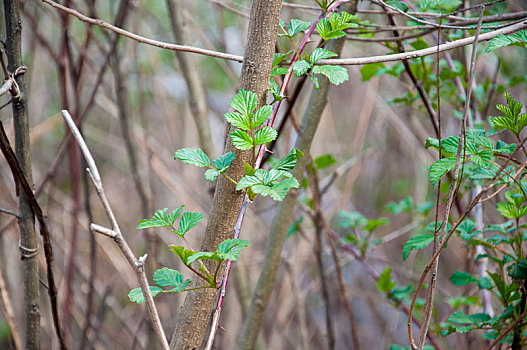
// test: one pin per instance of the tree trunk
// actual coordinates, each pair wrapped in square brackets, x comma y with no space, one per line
[275,243]
[197,308]
[26,222]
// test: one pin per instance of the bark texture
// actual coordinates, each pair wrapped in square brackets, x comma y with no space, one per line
[194,317]
[26,221]
[281,222]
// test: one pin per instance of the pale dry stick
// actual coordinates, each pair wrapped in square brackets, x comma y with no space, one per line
[136,264]
[140,38]
[10,315]
[452,191]
[342,61]
[424,52]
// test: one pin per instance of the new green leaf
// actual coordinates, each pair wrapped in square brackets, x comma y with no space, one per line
[136,295]
[188,221]
[230,249]
[265,135]
[417,242]
[241,140]
[192,156]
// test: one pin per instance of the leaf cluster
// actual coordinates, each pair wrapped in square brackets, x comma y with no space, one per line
[335,74]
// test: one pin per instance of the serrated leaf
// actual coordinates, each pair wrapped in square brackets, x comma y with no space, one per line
[211,175]
[420,241]
[261,116]
[279,57]
[301,67]
[272,175]
[247,181]
[161,218]
[335,74]
[238,120]
[320,54]
[296,26]
[506,40]
[324,28]
[244,102]
[385,283]
[459,317]
[223,162]
[440,168]
[265,135]
[204,256]
[136,295]
[192,156]
[289,162]
[230,249]
[249,170]
[188,221]
[277,191]
[166,277]
[279,71]
[241,140]
[519,270]
[182,253]
[275,90]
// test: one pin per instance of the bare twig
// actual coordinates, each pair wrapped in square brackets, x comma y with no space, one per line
[425,52]
[19,177]
[142,39]
[136,264]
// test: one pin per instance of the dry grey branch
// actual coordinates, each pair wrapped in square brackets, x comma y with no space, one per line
[136,264]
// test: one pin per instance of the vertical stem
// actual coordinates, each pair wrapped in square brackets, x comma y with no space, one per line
[26,222]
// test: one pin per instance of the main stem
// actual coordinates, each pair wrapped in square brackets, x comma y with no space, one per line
[26,221]
[196,311]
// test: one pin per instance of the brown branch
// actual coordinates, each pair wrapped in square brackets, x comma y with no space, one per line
[18,175]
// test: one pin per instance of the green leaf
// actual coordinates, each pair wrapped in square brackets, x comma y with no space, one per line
[264,135]
[320,54]
[166,277]
[398,4]
[238,120]
[211,175]
[188,221]
[278,71]
[241,140]
[324,29]
[301,67]
[519,270]
[385,283]
[420,241]
[223,162]
[324,161]
[182,253]
[136,295]
[161,218]
[335,74]
[460,278]
[277,191]
[440,168]
[247,181]
[261,116]
[244,102]
[248,169]
[375,223]
[192,156]
[369,70]
[517,39]
[230,249]
[289,161]
[296,26]
[459,317]
[204,256]
[279,57]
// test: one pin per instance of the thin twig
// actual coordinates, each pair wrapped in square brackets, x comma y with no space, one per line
[136,264]
[424,52]
[142,39]
[19,177]
[508,329]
